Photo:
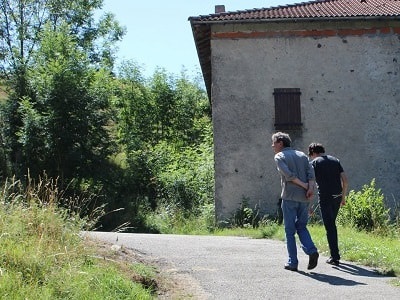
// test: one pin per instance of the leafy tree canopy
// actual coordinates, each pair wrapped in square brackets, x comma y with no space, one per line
[24,20]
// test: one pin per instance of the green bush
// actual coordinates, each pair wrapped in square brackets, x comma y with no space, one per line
[184,177]
[170,219]
[365,210]
[245,216]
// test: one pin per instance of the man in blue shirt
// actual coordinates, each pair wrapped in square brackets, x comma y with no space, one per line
[332,188]
[297,182]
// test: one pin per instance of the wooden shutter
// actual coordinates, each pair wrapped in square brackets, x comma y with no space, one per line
[287,108]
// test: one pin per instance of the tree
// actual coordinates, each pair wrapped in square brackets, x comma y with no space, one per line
[23,21]
[163,102]
[192,113]
[164,108]
[65,125]
[133,106]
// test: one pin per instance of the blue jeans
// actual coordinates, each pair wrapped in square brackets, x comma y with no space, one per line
[295,218]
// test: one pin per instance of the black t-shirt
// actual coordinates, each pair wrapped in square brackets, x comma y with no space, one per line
[327,174]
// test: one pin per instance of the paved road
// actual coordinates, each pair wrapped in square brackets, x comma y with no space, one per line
[241,268]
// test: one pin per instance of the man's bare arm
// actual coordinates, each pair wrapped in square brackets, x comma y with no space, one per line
[345,184]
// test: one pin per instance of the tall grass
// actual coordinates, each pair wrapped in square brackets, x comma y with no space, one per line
[43,256]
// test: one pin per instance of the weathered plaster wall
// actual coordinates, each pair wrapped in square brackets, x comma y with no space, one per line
[350,102]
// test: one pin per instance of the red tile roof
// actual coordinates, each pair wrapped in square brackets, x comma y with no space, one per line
[313,9]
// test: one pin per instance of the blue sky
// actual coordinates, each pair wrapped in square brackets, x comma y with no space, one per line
[159,33]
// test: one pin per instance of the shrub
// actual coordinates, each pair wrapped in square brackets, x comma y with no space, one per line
[184,177]
[170,219]
[245,216]
[365,209]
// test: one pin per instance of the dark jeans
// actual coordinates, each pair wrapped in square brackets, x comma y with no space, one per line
[329,211]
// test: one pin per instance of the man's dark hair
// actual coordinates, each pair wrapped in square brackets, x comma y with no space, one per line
[315,148]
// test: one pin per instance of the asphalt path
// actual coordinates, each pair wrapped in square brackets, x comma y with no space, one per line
[242,268]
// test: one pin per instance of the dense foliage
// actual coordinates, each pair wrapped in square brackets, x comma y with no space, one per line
[365,209]
[135,144]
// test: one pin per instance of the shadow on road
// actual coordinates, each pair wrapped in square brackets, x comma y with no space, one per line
[332,280]
[357,270]
[347,268]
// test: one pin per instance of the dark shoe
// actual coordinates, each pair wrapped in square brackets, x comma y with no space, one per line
[313,260]
[290,268]
[332,261]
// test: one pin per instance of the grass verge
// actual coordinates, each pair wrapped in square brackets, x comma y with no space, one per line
[43,256]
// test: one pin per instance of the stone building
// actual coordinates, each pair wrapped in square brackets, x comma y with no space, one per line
[326,71]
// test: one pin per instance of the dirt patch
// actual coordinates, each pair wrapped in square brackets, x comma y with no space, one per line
[168,283]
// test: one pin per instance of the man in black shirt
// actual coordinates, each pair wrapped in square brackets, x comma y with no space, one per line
[332,188]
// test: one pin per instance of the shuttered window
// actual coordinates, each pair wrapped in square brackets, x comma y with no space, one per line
[287,108]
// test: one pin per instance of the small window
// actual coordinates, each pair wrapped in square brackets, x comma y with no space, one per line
[287,108]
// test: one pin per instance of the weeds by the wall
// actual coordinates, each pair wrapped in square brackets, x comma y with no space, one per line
[245,216]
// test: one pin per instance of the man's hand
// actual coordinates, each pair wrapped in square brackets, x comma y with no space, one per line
[310,194]
[310,190]
[343,199]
